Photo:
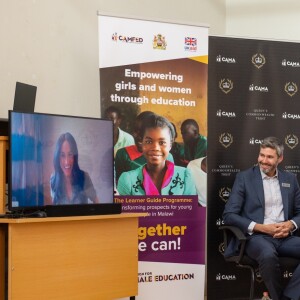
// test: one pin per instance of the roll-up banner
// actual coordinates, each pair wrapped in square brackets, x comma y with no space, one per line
[156,67]
[253,93]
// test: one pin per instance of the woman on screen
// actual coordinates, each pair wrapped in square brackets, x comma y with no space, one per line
[69,184]
[158,176]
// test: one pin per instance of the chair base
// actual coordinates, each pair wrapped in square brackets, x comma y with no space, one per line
[252,279]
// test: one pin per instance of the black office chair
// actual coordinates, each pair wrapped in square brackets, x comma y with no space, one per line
[241,260]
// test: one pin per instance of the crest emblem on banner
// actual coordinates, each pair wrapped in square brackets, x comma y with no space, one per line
[258,60]
[226,139]
[226,85]
[291,141]
[159,42]
[291,88]
[224,194]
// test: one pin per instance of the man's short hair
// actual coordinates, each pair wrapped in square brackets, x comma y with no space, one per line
[190,122]
[273,143]
[113,109]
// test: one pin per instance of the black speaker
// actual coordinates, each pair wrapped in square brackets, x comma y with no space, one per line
[24,97]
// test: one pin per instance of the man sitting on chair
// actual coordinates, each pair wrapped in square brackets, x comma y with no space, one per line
[265,204]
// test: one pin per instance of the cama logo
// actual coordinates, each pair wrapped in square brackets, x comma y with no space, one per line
[253,88]
[220,277]
[291,141]
[221,248]
[228,114]
[255,141]
[226,85]
[229,60]
[287,274]
[219,222]
[224,194]
[226,139]
[291,88]
[285,115]
[287,63]
[258,60]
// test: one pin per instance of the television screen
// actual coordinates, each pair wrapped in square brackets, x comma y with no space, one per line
[63,162]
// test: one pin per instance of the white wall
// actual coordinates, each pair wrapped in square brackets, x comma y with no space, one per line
[267,19]
[53,44]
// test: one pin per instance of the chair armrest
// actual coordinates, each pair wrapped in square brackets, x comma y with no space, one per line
[228,232]
[238,233]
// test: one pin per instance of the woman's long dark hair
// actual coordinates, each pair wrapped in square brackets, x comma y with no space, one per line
[57,180]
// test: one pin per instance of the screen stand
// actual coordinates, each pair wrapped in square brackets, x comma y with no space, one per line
[35,214]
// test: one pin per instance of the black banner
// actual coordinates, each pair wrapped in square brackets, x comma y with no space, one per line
[252,93]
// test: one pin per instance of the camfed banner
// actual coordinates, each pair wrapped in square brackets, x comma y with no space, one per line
[253,93]
[150,68]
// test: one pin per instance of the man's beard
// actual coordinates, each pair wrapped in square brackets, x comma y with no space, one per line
[266,170]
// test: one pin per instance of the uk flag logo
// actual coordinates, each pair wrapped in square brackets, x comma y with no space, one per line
[190,43]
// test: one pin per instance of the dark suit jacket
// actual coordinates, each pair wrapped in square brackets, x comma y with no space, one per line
[246,202]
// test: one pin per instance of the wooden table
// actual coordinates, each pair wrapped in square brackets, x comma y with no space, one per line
[70,258]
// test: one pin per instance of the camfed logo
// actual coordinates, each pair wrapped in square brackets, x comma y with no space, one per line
[258,60]
[226,139]
[229,60]
[291,141]
[227,114]
[114,37]
[291,88]
[126,39]
[226,85]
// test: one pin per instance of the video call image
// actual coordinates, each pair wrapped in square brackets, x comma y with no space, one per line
[59,160]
